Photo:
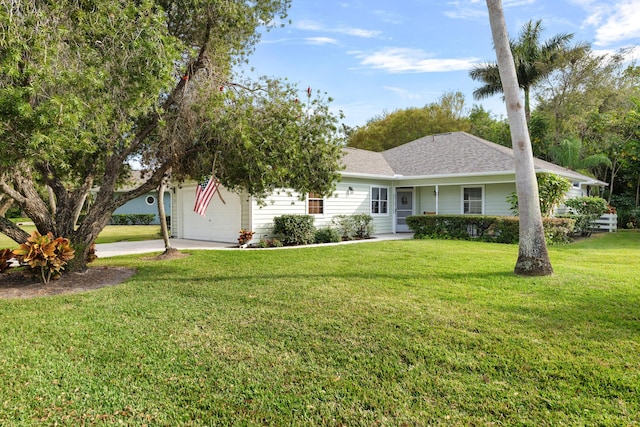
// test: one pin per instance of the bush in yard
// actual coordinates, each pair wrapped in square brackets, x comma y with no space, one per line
[364,225]
[269,243]
[497,229]
[119,219]
[45,255]
[245,236]
[357,226]
[551,191]
[587,210]
[327,235]
[142,219]
[294,230]
[5,256]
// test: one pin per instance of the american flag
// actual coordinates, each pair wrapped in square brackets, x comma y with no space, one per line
[204,192]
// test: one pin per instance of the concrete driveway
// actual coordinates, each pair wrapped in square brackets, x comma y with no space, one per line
[105,250]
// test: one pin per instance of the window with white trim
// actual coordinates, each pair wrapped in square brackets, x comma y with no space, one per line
[315,204]
[472,200]
[379,200]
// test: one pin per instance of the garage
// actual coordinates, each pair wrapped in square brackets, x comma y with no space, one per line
[221,222]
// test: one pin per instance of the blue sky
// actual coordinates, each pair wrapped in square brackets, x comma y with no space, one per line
[381,55]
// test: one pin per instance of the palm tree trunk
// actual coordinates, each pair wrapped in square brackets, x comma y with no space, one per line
[533,258]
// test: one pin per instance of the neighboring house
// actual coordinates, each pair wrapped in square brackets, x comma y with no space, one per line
[452,173]
[146,204]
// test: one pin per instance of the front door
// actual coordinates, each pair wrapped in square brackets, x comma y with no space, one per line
[404,208]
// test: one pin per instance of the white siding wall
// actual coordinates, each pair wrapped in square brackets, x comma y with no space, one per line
[341,202]
[495,199]
[280,203]
[450,198]
[426,200]
[360,202]
[449,201]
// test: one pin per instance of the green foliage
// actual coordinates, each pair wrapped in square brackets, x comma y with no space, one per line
[552,190]
[87,86]
[262,140]
[483,125]
[401,126]
[294,229]
[534,60]
[45,256]
[132,219]
[327,235]
[5,256]
[569,153]
[269,243]
[595,206]
[587,210]
[357,226]
[497,229]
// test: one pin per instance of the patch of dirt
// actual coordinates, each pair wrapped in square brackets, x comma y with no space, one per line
[15,284]
[171,253]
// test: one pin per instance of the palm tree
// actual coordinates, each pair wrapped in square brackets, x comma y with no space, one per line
[569,154]
[533,61]
[533,257]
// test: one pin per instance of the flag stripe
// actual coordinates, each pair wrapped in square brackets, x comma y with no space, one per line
[204,194]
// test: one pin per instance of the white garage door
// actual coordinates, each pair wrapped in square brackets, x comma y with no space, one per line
[221,222]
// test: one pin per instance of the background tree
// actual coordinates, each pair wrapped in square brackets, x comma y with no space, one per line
[533,61]
[87,86]
[569,154]
[485,126]
[401,126]
[533,258]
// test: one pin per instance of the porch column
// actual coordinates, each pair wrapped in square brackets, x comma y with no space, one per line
[437,194]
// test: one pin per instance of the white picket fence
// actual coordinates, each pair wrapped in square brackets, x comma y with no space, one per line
[607,222]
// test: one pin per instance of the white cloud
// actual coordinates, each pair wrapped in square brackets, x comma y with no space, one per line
[629,53]
[321,40]
[350,31]
[466,10]
[623,23]
[476,9]
[403,93]
[404,60]
[389,17]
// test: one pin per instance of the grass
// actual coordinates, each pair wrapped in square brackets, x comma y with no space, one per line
[385,333]
[110,234]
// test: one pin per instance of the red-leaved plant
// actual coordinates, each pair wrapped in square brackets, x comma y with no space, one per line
[44,255]
[5,256]
[245,236]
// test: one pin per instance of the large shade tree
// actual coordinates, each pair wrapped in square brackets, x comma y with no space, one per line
[86,86]
[401,126]
[533,258]
[533,60]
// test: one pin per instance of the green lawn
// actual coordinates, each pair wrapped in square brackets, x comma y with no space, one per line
[385,333]
[110,234]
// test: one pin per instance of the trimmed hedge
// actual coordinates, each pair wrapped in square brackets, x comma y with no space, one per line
[132,219]
[499,229]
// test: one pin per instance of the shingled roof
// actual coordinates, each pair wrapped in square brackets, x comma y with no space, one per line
[455,153]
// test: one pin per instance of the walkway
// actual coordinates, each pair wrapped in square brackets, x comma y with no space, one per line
[105,250]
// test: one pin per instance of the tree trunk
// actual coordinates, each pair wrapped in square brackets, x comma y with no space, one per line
[533,258]
[163,218]
[12,231]
[52,201]
[5,204]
